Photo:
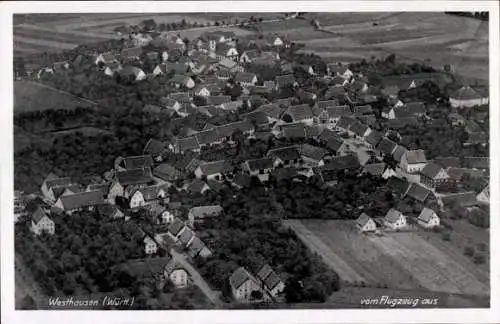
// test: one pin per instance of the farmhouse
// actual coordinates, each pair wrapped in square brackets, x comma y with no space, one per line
[244,285]
[467,97]
[154,148]
[53,186]
[270,281]
[428,218]
[197,186]
[167,172]
[197,214]
[213,170]
[245,79]
[336,69]
[258,167]
[365,223]
[79,201]
[418,192]
[133,162]
[394,219]
[104,58]
[124,179]
[413,161]
[41,222]
[433,175]
[182,81]
[285,156]
[110,211]
[197,248]
[175,229]
[131,73]
[299,114]
[150,245]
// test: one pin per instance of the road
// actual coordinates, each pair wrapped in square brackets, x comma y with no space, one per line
[197,278]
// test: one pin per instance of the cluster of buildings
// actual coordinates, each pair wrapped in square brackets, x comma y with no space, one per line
[265,286]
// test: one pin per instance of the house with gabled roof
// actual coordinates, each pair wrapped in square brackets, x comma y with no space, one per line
[175,229]
[150,245]
[112,68]
[418,192]
[394,219]
[124,179]
[186,236]
[359,130]
[299,114]
[168,172]
[466,96]
[433,175]
[197,186]
[224,50]
[372,139]
[53,186]
[428,218]
[365,223]
[284,156]
[110,211]
[256,167]
[336,113]
[270,281]
[285,81]
[245,79]
[154,148]
[104,58]
[388,112]
[133,162]
[146,196]
[336,69]
[312,156]
[213,170]
[186,144]
[41,222]
[243,284]
[177,274]
[130,72]
[398,153]
[484,195]
[181,81]
[398,186]
[80,201]
[413,161]
[197,247]
[199,213]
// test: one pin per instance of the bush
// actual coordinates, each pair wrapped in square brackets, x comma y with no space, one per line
[479,259]
[469,251]
[482,247]
[446,236]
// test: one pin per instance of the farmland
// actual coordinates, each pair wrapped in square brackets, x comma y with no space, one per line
[396,260]
[31,96]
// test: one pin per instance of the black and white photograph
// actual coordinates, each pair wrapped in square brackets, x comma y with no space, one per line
[250,159]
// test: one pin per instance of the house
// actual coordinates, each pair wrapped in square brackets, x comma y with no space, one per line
[284,156]
[413,161]
[359,130]
[484,195]
[241,180]
[299,114]
[312,156]
[145,196]
[258,167]
[176,273]
[124,179]
[110,211]
[287,80]
[305,68]
[182,81]
[167,172]
[275,40]
[197,214]
[365,223]
[186,236]
[166,68]
[79,201]
[197,186]
[418,192]
[386,147]
[463,200]
[41,222]
[270,281]
[416,108]
[398,186]
[213,170]
[388,112]
[154,148]
[294,131]
[104,58]
[433,175]
[248,56]
[428,218]
[243,284]
[447,161]
[372,139]
[362,110]
[112,68]
[394,219]
[345,123]
[186,144]
[336,69]
[225,50]
[228,66]
[478,163]
[245,79]
[197,248]
[150,245]
[133,162]
[335,114]
[375,169]
[53,186]
[466,97]
[175,229]
[131,53]
[131,73]
[398,153]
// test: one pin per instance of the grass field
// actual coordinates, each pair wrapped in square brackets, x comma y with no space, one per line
[31,96]
[398,260]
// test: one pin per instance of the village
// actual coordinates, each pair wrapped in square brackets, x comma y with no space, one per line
[305,121]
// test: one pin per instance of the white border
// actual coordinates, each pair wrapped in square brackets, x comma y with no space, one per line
[491,315]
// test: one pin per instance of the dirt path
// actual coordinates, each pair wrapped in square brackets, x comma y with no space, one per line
[212,295]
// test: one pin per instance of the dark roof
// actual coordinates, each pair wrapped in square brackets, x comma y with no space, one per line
[239,277]
[300,112]
[392,216]
[136,162]
[215,167]
[418,192]
[363,110]
[284,173]
[218,100]
[82,199]
[345,122]
[154,147]
[426,215]
[431,170]
[187,143]
[176,227]
[402,122]
[244,77]
[199,212]
[285,153]
[335,144]
[260,164]
[313,152]
[196,185]
[131,52]
[375,169]
[415,108]
[363,219]
[386,146]
[398,152]
[346,162]
[57,182]
[196,246]
[416,156]
[296,130]
[284,80]
[268,276]
[186,235]
[358,128]
[465,93]
[258,117]
[373,138]
[339,111]
[167,172]
[271,110]
[465,199]
[242,180]
[398,185]
[38,214]
[227,130]
[449,161]
[134,176]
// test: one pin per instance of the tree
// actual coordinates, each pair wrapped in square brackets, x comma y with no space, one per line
[469,251]
[256,295]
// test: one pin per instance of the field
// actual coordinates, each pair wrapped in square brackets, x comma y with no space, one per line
[31,96]
[403,260]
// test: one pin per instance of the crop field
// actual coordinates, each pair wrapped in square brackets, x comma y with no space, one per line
[31,96]
[403,260]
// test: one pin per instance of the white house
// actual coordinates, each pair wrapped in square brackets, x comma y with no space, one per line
[388,113]
[467,97]
[484,195]
[428,218]
[413,161]
[41,222]
[270,281]
[243,284]
[150,246]
[365,223]
[394,219]
[176,273]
